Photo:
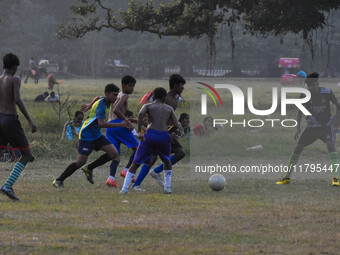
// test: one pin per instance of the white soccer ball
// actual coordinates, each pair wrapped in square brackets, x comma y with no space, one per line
[217,182]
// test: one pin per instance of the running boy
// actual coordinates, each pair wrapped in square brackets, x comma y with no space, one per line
[10,127]
[156,140]
[120,135]
[90,137]
[319,126]
[176,84]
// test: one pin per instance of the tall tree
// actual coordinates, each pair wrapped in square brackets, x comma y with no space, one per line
[195,18]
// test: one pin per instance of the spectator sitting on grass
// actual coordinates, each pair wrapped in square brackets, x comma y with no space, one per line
[183,124]
[41,97]
[206,129]
[52,97]
[72,127]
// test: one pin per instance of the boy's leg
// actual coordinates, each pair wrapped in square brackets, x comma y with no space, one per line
[173,160]
[293,159]
[103,144]
[167,177]
[129,175]
[144,171]
[81,160]
[16,171]
[177,149]
[114,156]
[130,160]
[333,156]
[308,136]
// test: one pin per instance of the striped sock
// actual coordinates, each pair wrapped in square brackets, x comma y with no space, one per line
[333,156]
[293,159]
[14,174]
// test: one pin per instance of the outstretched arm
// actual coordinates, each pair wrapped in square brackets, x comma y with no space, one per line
[86,107]
[174,121]
[103,124]
[63,135]
[119,104]
[141,115]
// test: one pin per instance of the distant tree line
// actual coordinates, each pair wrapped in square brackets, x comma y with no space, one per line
[152,35]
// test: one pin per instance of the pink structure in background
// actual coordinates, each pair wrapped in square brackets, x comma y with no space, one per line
[288,66]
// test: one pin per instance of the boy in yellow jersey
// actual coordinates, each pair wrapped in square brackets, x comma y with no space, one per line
[91,138]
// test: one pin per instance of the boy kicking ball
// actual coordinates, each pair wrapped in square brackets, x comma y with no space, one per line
[156,140]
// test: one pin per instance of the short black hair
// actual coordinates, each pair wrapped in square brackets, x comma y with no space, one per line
[128,79]
[78,113]
[159,93]
[183,116]
[111,87]
[46,94]
[312,77]
[10,60]
[175,79]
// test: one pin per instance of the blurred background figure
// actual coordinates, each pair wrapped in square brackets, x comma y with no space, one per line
[53,97]
[72,128]
[51,81]
[206,129]
[41,97]
[183,124]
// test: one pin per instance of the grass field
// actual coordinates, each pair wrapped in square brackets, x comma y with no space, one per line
[251,216]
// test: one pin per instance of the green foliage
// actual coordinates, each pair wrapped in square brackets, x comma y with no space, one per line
[197,18]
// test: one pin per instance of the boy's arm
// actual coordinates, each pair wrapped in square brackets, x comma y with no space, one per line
[103,124]
[20,104]
[118,105]
[335,101]
[86,107]
[63,135]
[141,115]
[133,121]
[174,121]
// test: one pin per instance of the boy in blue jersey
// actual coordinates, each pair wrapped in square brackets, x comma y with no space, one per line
[319,126]
[90,137]
[120,135]
[156,140]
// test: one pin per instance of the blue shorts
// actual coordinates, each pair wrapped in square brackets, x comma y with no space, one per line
[86,147]
[120,135]
[155,143]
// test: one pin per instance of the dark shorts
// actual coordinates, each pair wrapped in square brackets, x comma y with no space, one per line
[86,147]
[155,143]
[311,134]
[175,143]
[11,132]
